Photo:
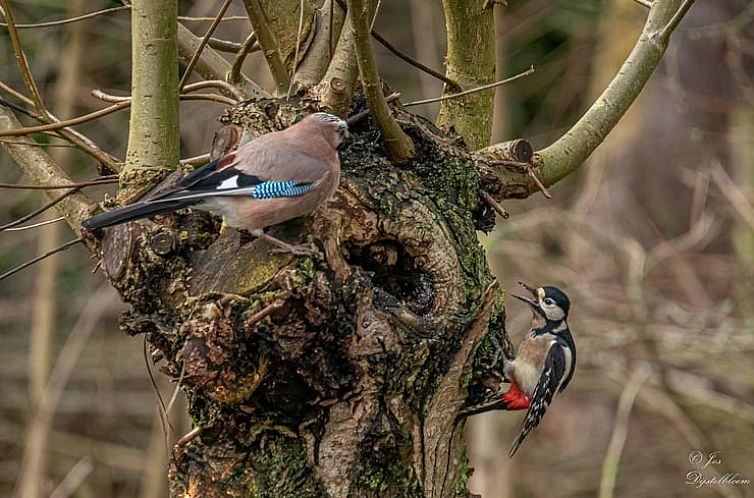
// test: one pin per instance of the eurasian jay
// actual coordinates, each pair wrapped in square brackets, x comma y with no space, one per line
[276,177]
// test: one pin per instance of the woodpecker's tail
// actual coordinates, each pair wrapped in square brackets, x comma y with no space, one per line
[134,212]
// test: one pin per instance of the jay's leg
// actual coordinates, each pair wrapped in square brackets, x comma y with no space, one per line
[298,250]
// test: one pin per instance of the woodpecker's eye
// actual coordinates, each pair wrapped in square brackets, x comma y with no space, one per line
[548,301]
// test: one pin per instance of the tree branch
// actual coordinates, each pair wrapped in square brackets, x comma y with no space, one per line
[470,62]
[202,44]
[153,136]
[330,19]
[212,65]
[336,86]
[566,154]
[23,63]
[269,44]
[44,171]
[398,145]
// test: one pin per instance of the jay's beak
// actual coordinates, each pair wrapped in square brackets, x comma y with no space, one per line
[346,140]
[531,301]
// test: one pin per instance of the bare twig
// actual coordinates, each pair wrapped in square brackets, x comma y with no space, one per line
[104,180]
[79,140]
[27,264]
[202,44]
[39,211]
[126,100]
[496,206]
[644,3]
[224,45]
[298,47]
[566,154]
[259,315]
[452,84]
[212,65]
[189,436]
[392,48]
[36,225]
[14,132]
[269,45]
[472,90]
[620,430]
[397,144]
[246,48]
[223,85]
[68,20]
[352,120]
[74,478]
[675,20]
[23,63]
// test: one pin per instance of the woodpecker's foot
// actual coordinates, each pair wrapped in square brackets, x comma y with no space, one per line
[284,247]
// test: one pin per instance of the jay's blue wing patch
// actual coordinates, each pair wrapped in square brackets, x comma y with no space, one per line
[276,189]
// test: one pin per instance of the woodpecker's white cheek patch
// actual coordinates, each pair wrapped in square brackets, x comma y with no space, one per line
[554,313]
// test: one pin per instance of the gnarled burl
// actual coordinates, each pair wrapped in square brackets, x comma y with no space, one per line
[350,381]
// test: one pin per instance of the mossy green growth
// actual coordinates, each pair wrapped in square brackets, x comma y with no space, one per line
[281,470]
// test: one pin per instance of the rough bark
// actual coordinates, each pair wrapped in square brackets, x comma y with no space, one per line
[351,385]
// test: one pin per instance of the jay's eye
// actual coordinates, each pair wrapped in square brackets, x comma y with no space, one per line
[548,301]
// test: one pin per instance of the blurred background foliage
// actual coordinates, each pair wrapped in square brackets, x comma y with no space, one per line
[653,239]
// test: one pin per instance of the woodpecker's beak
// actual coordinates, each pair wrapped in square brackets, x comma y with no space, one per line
[531,301]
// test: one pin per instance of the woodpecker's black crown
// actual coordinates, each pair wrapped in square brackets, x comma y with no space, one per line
[559,297]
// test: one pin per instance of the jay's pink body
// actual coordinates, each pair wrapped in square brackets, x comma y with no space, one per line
[273,178]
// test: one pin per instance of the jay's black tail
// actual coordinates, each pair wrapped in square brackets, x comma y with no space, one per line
[135,212]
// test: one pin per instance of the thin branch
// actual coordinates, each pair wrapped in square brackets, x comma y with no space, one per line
[206,18]
[356,118]
[212,65]
[224,45]
[222,85]
[298,47]
[74,478]
[68,20]
[566,154]
[620,431]
[398,145]
[65,123]
[36,225]
[472,90]
[269,45]
[126,100]
[21,60]
[44,171]
[58,249]
[246,48]
[392,48]
[196,160]
[79,140]
[40,210]
[97,181]
[203,43]
[675,20]
[644,3]
[496,206]
[320,52]
[452,84]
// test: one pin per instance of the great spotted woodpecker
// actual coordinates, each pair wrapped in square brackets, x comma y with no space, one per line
[544,363]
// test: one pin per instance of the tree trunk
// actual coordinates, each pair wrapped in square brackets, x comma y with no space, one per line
[351,381]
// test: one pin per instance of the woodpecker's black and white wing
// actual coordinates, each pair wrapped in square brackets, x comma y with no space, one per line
[557,372]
